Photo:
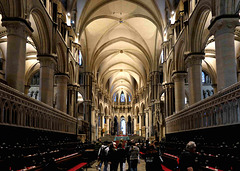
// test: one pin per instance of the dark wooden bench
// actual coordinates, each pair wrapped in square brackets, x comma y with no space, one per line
[170,161]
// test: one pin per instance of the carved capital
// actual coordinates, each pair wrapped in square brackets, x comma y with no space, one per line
[17,27]
[47,61]
[194,58]
[179,76]
[224,24]
[61,78]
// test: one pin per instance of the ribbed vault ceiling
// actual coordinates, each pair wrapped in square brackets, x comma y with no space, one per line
[122,42]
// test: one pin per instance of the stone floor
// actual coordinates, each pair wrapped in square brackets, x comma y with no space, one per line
[141,166]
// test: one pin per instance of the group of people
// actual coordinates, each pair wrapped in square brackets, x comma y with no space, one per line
[115,156]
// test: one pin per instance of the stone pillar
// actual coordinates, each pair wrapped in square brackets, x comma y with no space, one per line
[169,98]
[214,88]
[102,120]
[155,79]
[47,65]
[119,123]
[140,124]
[147,126]
[88,80]
[62,80]
[17,31]
[93,122]
[150,122]
[70,100]
[179,87]
[87,111]
[194,63]
[223,31]
[107,117]
[135,124]
[26,90]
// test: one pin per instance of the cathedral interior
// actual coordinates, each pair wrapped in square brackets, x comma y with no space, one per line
[165,70]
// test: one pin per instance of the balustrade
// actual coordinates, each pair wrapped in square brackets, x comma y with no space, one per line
[17,109]
[220,109]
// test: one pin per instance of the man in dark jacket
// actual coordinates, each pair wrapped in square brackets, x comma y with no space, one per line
[112,157]
[127,149]
[187,160]
[121,154]
[152,159]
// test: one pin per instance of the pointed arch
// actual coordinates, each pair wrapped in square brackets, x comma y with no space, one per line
[62,60]
[40,36]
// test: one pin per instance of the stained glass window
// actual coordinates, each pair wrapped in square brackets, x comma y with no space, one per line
[129,98]
[115,97]
[122,97]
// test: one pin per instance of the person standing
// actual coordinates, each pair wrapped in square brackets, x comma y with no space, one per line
[134,157]
[127,150]
[103,156]
[112,157]
[98,147]
[121,154]
[187,160]
[153,162]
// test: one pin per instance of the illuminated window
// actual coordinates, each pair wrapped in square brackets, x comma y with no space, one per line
[129,98]
[203,77]
[115,97]
[122,97]
[79,58]
[161,57]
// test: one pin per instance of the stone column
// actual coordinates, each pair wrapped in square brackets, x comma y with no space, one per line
[70,99]
[17,31]
[179,87]
[147,126]
[88,80]
[214,88]
[150,121]
[62,80]
[107,117]
[47,65]
[140,124]
[155,79]
[102,120]
[93,123]
[135,124]
[194,63]
[87,111]
[169,98]
[223,31]
[26,90]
